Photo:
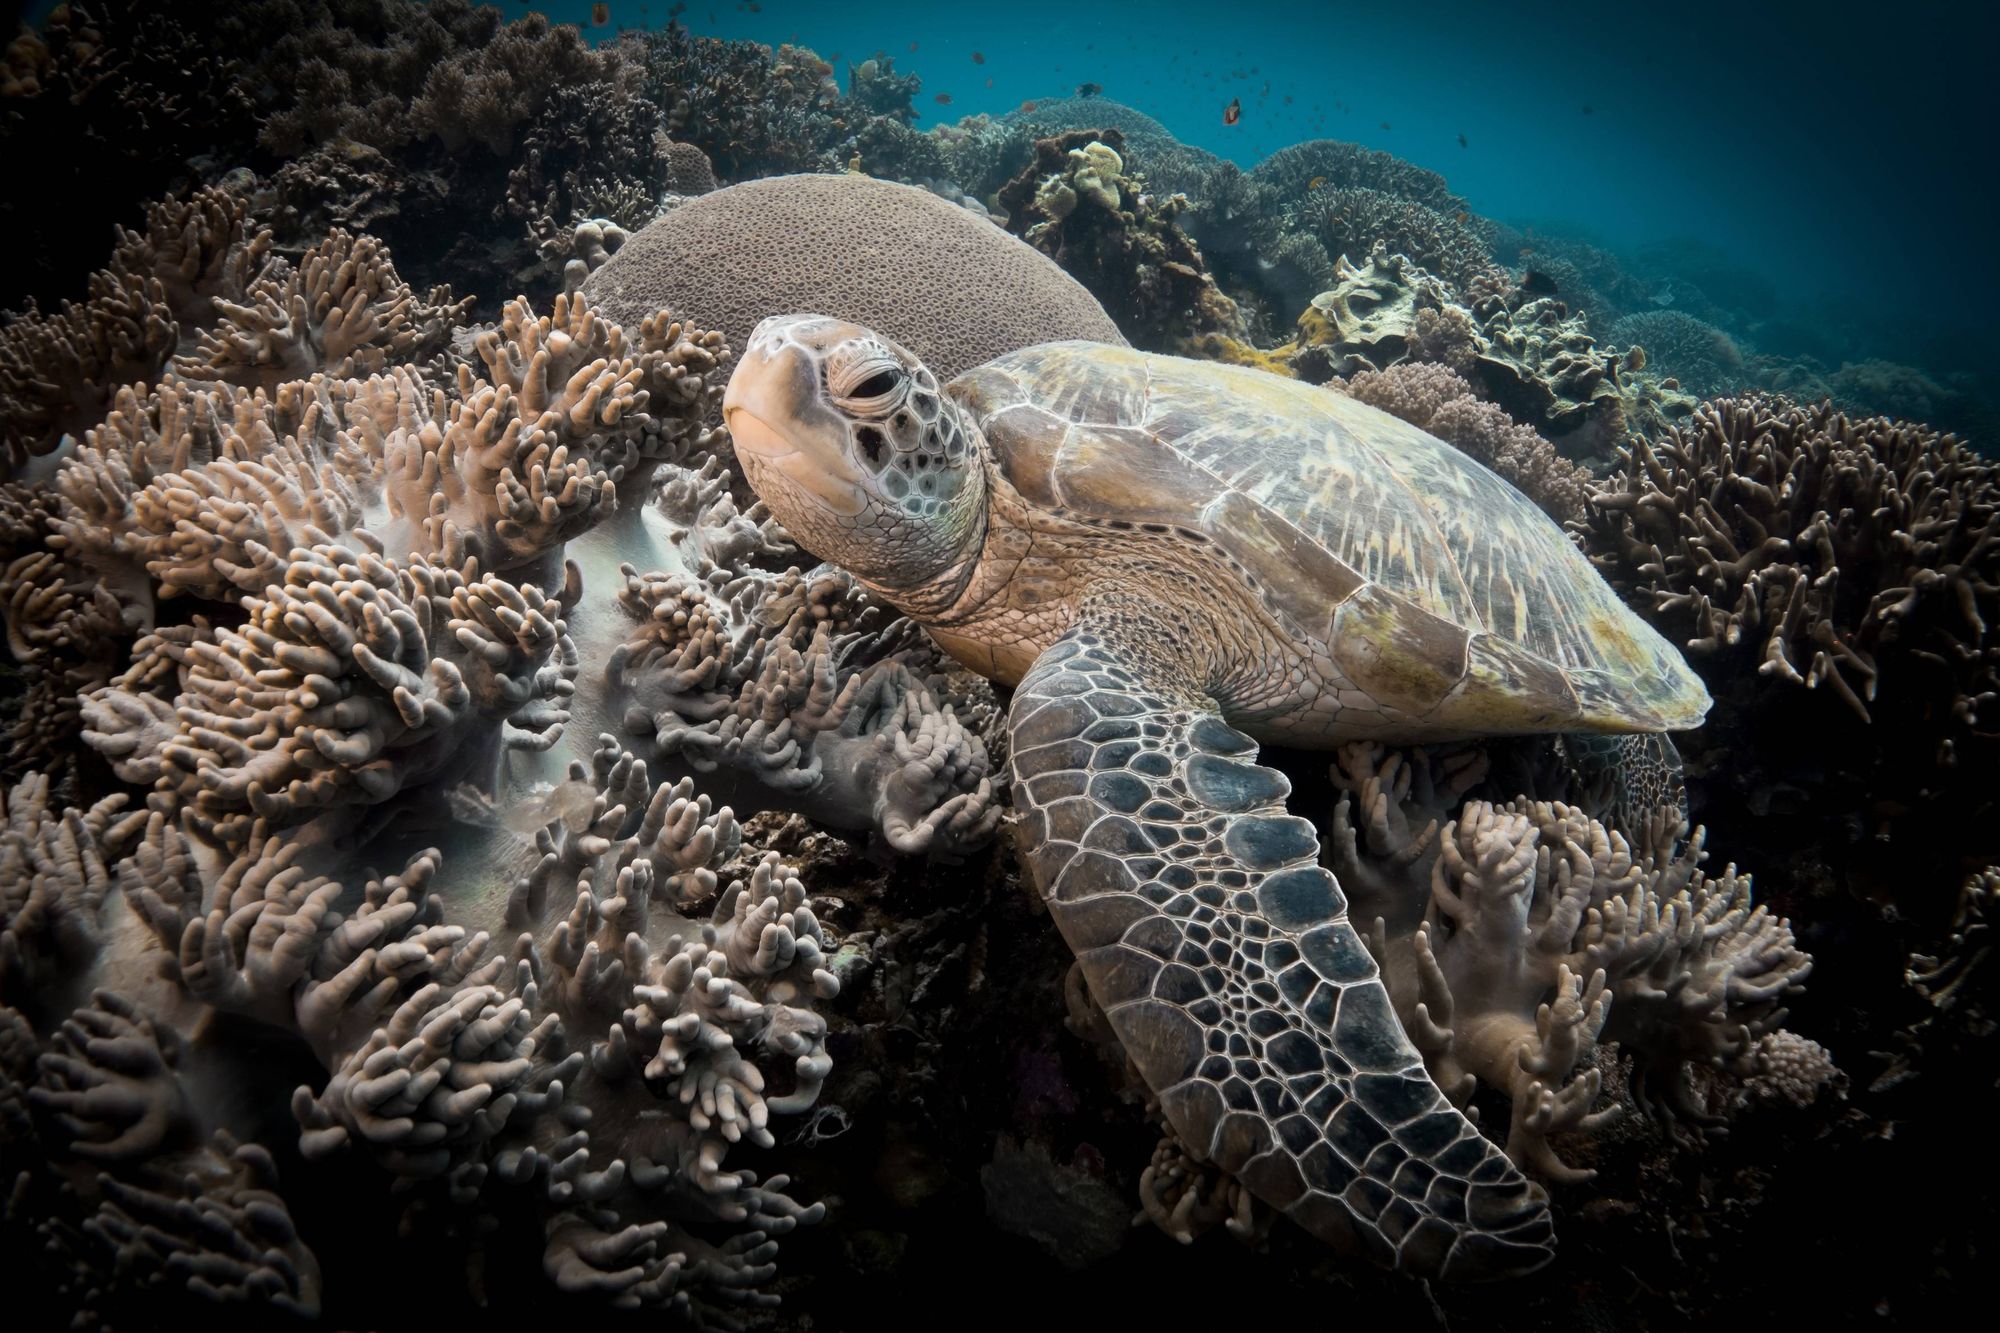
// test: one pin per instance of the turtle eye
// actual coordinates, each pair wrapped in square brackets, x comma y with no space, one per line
[871,389]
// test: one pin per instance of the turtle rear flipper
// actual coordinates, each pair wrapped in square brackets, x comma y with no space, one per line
[1221,953]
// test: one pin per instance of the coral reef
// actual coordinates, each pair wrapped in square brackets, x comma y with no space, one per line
[387,664]
[1703,359]
[1365,320]
[1354,220]
[1294,173]
[1075,203]
[1516,937]
[1836,580]
[108,102]
[952,287]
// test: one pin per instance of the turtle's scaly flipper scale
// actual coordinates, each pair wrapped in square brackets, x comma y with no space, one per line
[1221,953]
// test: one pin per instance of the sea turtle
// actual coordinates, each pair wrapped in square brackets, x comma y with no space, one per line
[1171,561]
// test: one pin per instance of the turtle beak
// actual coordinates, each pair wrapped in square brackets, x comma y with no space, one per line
[774,414]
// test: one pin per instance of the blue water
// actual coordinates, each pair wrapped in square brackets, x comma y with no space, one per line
[1843,153]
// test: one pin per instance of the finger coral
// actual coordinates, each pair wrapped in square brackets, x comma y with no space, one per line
[352,680]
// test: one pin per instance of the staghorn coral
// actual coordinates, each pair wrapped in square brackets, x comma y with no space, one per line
[954,288]
[1075,203]
[1434,399]
[1517,937]
[1859,556]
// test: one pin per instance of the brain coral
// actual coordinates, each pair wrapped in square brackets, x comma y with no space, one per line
[952,287]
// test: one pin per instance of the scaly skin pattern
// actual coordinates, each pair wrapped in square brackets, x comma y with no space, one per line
[1221,953]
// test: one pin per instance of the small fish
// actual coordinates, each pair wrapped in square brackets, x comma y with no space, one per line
[1315,182]
[600,15]
[1089,89]
[1462,143]
[1265,91]
[1288,99]
[943,99]
[1462,216]
[989,83]
[1538,282]
[679,8]
[978,57]
[913,48]
[1233,112]
[1385,124]
[1029,105]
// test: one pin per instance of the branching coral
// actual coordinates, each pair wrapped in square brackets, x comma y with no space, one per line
[1075,203]
[1516,937]
[752,110]
[1294,172]
[571,413]
[110,101]
[1704,360]
[1353,220]
[1854,555]
[875,84]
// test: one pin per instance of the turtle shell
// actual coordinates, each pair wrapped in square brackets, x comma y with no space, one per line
[1434,585]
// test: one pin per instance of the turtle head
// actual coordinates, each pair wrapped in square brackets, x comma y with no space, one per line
[863,458]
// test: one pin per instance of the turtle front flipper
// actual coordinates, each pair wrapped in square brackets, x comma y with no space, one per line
[1221,952]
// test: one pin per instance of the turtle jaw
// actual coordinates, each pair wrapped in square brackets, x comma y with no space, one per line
[783,433]
[828,479]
